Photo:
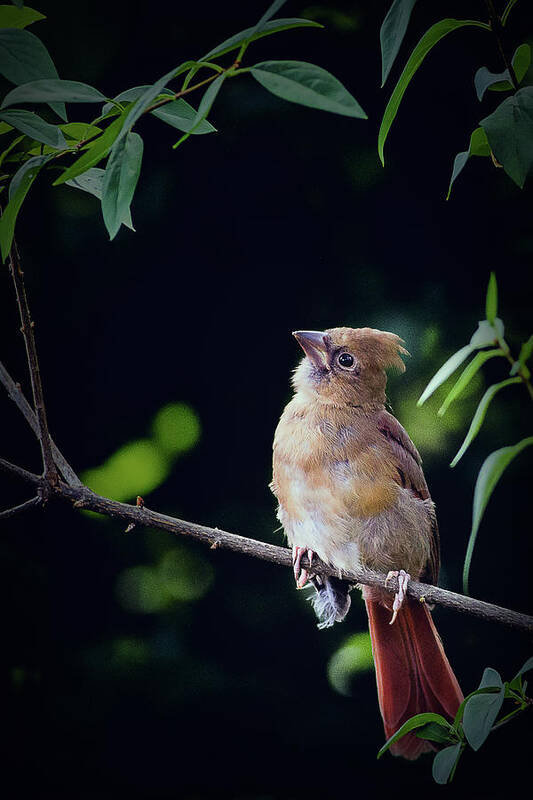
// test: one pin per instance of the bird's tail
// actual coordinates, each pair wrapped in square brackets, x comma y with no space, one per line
[412,672]
[331,601]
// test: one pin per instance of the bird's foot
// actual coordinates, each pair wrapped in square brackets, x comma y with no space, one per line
[403,579]
[301,575]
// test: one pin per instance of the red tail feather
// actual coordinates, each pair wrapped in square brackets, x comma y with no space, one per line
[412,671]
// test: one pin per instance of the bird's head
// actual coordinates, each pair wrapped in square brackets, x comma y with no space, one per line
[346,366]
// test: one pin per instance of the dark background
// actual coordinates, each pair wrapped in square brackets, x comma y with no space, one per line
[282,220]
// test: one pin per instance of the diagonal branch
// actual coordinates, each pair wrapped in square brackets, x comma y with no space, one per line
[50,469]
[138,515]
[12,512]
[15,393]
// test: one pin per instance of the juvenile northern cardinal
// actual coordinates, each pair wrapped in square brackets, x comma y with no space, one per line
[351,489]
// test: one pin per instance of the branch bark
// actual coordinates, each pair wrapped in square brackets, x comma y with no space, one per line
[83,498]
[50,469]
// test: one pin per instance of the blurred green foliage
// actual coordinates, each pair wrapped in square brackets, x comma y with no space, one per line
[140,466]
[351,658]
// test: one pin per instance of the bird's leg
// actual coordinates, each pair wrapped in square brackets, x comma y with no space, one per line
[403,579]
[301,576]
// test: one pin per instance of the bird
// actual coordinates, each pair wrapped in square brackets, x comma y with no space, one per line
[351,491]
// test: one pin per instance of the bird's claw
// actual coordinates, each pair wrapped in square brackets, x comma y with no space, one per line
[301,575]
[403,579]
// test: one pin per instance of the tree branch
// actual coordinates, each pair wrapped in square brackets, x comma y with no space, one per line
[50,469]
[138,515]
[15,393]
[12,512]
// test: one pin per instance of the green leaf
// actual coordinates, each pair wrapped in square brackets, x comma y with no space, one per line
[148,96]
[307,85]
[466,376]
[80,131]
[271,10]
[204,108]
[525,354]
[52,90]
[489,475]
[275,26]
[526,667]
[478,146]
[5,128]
[507,10]
[481,709]
[445,763]
[10,147]
[32,165]
[133,94]
[24,58]
[121,176]
[501,81]
[491,301]
[92,183]
[24,179]
[414,722]
[32,125]
[479,416]
[392,33]
[426,43]
[509,130]
[181,115]
[98,150]
[11,17]
[447,369]
[434,732]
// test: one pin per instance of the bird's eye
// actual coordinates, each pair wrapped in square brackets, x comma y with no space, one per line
[346,360]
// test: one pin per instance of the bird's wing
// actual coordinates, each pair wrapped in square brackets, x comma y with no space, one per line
[410,476]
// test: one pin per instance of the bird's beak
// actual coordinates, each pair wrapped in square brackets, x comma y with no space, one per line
[314,345]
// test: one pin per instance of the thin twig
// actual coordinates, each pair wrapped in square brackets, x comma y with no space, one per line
[12,512]
[50,469]
[15,393]
[83,498]
[497,29]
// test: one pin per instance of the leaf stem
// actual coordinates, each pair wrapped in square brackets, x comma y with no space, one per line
[497,29]
[522,374]
[182,92]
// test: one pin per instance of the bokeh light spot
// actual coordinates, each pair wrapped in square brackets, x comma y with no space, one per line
[352,658]
[136,468]
[176,428]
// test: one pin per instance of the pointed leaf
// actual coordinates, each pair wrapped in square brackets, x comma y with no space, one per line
[445,763]
[507,10]
[98,150]
[481,711]
[23,58]
[149,95]
[133,94]
[491,301]
[92,183]
[424,46]
[447,369]
[479,416]
[23,179]
[32,125]
[434,732]
[525,354]
[509,130]
[121,176]
[478,146]
[53,90]
[392,33]
[414,722]
[501,81]
[466,376]
[490,473]
[271,10]
[308,85]
[204,108]
[12,17]
[181,115]
[275,26]
[526,667]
